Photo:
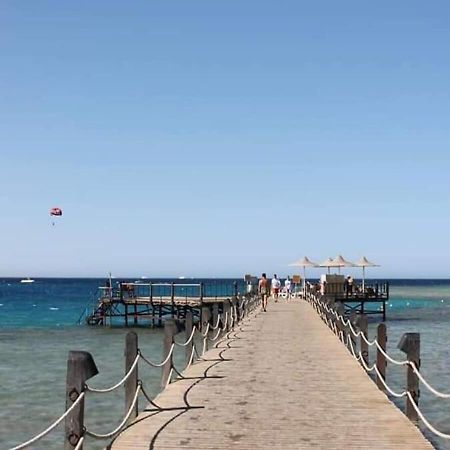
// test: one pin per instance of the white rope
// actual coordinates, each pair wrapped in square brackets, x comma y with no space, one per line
[425,382]
[370,343]
[424,419]
[389,358]
[112,388]
[206,330]
[52,426]
[169,378]
[216,336]
[375,368]
[153,364]
[79,443]
[191,358]
[122,424]
[217,322]
[188,341]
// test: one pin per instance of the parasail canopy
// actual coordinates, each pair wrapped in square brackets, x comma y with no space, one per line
[56,212]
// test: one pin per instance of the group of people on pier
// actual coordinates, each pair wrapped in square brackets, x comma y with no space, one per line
[273,287]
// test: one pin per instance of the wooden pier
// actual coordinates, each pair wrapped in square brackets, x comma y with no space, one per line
[281,380]
[150,303]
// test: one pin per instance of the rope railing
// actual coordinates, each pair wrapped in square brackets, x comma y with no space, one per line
[325,312]
[115,386]
[224,323]
[52,426]
[153,364]
[122,424]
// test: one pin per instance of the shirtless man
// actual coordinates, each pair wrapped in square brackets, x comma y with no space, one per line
[263,289]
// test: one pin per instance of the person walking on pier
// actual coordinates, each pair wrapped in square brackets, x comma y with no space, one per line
[276,285]
[288,287]
[263,288]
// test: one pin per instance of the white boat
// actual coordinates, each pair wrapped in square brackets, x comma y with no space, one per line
[27,280]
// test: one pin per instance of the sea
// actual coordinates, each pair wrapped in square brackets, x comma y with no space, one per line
[41,322]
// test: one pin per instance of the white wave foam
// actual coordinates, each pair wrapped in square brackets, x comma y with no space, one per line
[53,308]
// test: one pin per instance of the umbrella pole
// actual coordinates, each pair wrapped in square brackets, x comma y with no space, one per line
[364,278]
[304,282]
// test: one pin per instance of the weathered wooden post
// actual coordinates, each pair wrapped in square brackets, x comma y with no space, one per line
[410,344]
[340,309]
[381,359]
[226,315]
[188,329]
[353,320]
[80,367]
[172,299]
[215,316]
[205,317]
[170,329]
[201,293]
[131,384]
[233,314]
[362,322]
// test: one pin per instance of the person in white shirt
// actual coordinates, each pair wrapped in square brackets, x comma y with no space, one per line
[288,287]
[276,285]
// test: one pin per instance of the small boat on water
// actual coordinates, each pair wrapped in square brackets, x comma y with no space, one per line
[27,280]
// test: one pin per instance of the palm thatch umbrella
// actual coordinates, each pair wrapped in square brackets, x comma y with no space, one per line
[364,262]
[304,262]
[339,262]
[327,263]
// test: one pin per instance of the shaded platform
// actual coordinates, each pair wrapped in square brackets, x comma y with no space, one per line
[284,382]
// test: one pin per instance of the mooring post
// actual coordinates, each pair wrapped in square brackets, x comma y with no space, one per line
[363,346]
[226,315]
[214,319]
[172,299]
[131,384]
[410,344]
[80,367]
[170,329]
[205,317]
[381,359]
[188,326]
[201,293]
[353,321]
[340,309]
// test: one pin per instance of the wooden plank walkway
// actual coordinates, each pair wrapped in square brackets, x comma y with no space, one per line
[284,382]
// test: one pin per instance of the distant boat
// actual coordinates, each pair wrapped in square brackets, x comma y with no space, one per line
[27,280]
[181,278]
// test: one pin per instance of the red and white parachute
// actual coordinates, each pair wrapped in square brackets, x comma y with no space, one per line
[55,212]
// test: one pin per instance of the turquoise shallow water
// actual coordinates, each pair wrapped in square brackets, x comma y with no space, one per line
[37,329]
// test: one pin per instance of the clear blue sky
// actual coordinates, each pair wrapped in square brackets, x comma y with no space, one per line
[218,138]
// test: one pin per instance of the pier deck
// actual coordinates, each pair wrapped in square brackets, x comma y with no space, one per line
[283,382]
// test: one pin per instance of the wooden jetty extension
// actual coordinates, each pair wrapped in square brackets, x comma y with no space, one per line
[281,380]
